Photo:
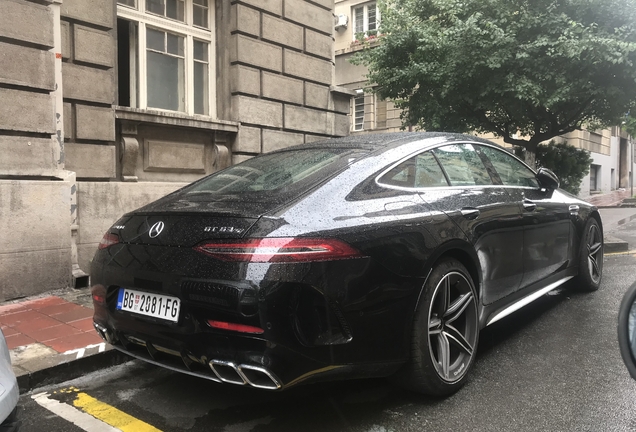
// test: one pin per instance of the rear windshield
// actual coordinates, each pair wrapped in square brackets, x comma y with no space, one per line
[287,171]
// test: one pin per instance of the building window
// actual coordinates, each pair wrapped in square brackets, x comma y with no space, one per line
[358,111]
[174,9]
[200,14]
[164,52]
[365,20]
[594,175]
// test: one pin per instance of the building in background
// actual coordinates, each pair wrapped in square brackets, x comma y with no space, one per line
[110,104]
[612,152]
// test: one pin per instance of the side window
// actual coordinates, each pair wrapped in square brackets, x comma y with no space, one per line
[428,172]
[419,171]
[402,175]
[463,165]
[510,170]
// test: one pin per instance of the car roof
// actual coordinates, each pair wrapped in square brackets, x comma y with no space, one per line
[380,141]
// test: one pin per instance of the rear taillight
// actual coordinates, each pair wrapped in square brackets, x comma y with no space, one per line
[241,328]
[278,250]
[99,294]
[108,240]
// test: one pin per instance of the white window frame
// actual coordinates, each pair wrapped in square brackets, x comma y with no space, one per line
[365,22]
[139,66]
[355,125]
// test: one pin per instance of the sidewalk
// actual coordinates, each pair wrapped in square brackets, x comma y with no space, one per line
[612,199]
[52,339]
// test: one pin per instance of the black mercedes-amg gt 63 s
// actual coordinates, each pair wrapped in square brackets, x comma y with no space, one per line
[366,256]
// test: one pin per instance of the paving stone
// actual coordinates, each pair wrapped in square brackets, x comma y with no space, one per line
[84,324]
[73,315]
[49,333]
[18,340]
[68,343]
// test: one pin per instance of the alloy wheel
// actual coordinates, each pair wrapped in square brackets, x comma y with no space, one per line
[452,326]
[594,252]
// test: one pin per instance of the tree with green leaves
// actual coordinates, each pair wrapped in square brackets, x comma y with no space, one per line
[569,163]
[525,70]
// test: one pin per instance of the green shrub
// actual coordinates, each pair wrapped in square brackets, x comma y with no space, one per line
[569,163]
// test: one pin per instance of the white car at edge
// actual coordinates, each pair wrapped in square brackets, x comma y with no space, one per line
[9,392]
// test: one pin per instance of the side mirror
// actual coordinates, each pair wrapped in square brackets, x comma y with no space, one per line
[547,179]
[627,330]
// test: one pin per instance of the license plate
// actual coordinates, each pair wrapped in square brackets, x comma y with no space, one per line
[153,305]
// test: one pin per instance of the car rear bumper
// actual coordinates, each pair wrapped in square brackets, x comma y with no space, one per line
[236,360]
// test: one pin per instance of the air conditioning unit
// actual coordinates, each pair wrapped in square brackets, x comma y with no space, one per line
[341,22]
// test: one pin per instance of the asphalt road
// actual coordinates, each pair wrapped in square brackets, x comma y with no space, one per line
[553,366]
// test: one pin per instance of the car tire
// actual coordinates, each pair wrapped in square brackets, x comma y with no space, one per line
[445,332]
[590,258]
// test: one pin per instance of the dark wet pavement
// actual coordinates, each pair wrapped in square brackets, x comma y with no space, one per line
[554,366]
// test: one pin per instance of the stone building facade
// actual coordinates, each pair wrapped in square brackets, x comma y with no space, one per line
[110,104]
[614,159]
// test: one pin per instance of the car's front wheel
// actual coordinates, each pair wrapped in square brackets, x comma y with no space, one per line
[445,333]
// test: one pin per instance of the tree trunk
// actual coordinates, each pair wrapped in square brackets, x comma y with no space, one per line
[530,158]
[530,154]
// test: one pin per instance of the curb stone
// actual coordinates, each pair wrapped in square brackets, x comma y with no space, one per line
[70,370]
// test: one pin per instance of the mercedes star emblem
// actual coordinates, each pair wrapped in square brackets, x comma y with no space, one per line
[156,229]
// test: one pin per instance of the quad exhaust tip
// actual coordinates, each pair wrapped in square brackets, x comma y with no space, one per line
[225,371]
[254,376]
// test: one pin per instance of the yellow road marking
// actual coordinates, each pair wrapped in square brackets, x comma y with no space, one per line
[111,415]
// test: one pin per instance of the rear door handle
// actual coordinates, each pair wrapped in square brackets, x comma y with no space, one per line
[470,213]
[529,205]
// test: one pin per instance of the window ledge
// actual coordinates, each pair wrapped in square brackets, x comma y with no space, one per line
[175,119]
[358,46]
[342,90]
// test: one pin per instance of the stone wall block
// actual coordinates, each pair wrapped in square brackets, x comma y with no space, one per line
[308,120]
[273,6]
[90,160]
[245,80]
[341,124]
[237,159]
[27,156]
[257,111]
[248,140]
[309,15]
[69,121]
[34,272]
[282,32]
[275,140]
[66,39]
[394,123]
[319,44]
[340,103]
[99,12]
[94,46]
[26,21]
[167,156]
[25,111]
[256,53]
[85,83]
[282,88]
[95,123]
[329,4]
[313,138]
[246,20]
[317,96]
[307,67]
[26,67]
[34,215]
